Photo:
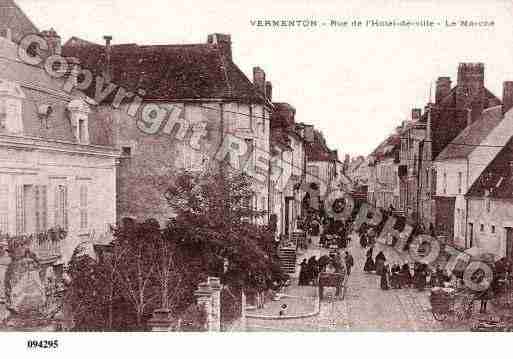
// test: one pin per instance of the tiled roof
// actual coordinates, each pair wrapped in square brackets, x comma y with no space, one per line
[387,147]
[465,143]
[39,89]
[497,179]
[318,150]
[168,72]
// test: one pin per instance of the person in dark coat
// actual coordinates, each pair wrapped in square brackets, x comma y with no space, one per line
[323,262]
[380,262]
[349,262]
[406,275]
[395,276]
[420,276]
[369,263]
[303,273]
[313,269]
[385,277]
[363,240]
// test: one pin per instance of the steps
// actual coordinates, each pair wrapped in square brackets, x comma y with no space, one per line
[288,260]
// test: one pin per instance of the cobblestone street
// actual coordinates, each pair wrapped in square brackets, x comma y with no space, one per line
[365,308]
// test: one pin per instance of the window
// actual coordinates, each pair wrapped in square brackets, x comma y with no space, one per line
[41,209]
[459,182]
[3,115]
[488,205]
[481,227]
[433,182]
[126,151]
[249,156]
[445,183]
[81,131]
[11,107]
[61,206]
[83,207]
[79,114]
[493,229]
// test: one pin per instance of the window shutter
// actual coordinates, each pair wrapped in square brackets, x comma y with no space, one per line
[37,212]
[56,206]
[20,214]
[65,207]
[83,207]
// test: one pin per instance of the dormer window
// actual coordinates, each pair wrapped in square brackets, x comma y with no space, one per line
[79,118]
[11,104]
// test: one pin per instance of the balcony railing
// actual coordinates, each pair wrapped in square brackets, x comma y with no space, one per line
[45,245]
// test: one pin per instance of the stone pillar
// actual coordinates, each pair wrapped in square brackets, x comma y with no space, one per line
[204,299]
[215,287]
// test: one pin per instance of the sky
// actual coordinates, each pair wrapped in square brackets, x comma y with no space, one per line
[355,84]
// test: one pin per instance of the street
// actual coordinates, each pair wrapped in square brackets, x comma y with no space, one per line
[365,308]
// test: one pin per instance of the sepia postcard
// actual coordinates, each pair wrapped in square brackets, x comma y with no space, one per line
[275,166]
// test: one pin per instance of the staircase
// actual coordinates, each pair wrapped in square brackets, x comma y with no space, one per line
[288,260]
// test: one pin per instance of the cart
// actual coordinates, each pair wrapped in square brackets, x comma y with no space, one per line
[447,302]
[337,280]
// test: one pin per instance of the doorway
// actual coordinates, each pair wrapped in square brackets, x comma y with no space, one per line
[509,243]
[470,235]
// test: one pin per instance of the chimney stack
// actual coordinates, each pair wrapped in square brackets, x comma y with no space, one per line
[108,58]
[269,90]
[470,92]
[53,40]
[507,96]
[443,87]
[223,42]
[416,114]
[259,79]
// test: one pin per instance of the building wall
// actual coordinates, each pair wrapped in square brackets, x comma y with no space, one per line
[157,156]
[489,219]
[386,186]
[27,163]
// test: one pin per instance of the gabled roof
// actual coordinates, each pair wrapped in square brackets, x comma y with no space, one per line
[168,72]
[13,18]
[496,181]
[465,143]
[318,150]
[387,147]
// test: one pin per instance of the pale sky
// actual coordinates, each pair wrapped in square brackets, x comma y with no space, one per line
[354,84]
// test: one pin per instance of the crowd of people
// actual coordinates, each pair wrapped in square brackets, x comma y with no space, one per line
[310,269]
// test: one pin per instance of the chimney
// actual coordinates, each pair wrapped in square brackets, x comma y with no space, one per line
[443,87]
[470,92]
[53,41]
[269,90]
[259,79]
[108,58]
[507,96]
[223,42]
[416,113]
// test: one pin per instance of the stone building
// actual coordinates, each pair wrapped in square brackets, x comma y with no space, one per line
[288,169]
[177,107]
[321,167]
[412,134]
[454,109]
[383,185]
[490,206]
[53,169]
